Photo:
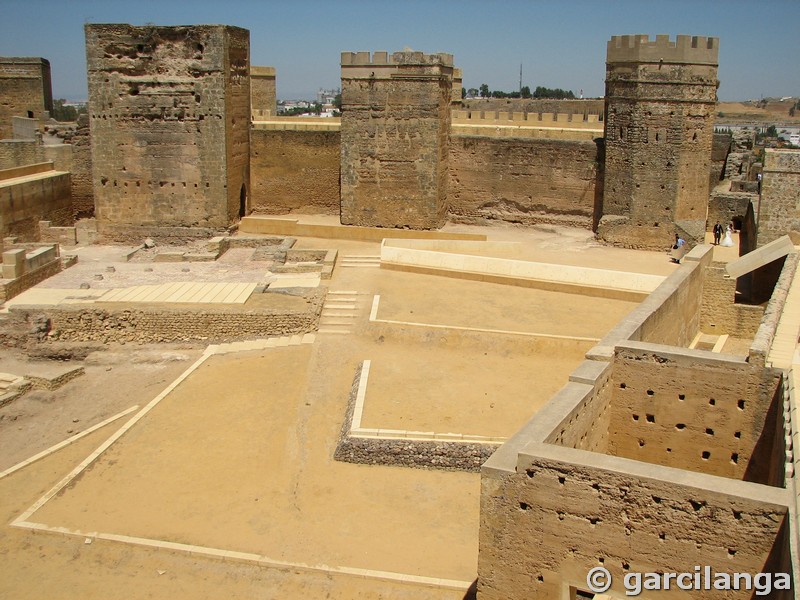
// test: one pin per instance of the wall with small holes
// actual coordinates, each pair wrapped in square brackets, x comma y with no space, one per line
[694,410]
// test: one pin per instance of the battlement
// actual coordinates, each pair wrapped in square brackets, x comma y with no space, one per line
[527,119]
[384,59]
[698,50]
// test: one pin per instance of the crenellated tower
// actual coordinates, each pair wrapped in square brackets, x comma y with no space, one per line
[395,138]
[659,127]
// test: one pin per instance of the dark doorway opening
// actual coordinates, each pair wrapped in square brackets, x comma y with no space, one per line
[243,202]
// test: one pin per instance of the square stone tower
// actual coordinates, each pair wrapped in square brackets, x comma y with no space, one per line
[25,90]
[659,129]
[170,124]
[779,209]
[394,138]
[262,91]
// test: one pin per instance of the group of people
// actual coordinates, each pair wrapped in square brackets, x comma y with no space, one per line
[728,241]
[679,248]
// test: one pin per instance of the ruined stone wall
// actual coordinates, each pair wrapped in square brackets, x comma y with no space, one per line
[169,116]
[719,313]
[395,132]
[720,148]
[153,325]
[725,207]
[25,90]
[660,103]
[43,198]
[694,410]
[14,287]
[263,95]
[779,212]
[522,180]
[295,171]
[18,153]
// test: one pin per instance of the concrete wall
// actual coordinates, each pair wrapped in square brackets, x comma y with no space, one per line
[395,131]
[25,90]
[32,194]
[522,180]
[295,171]
[170,116]
[660,103]
[779,211]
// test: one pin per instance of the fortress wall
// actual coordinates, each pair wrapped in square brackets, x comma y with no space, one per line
[527,119]
[719,313]
[295,171]
[522,180]
[695,410]
[588,106]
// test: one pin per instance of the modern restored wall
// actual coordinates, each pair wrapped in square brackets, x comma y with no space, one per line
[24,88]
[659,128]
[395,132]
[295,171]
[31,194]
[522,180]
[779,211]
[170,117]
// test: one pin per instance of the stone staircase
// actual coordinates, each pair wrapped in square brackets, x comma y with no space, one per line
[273,342]
[359,260]
[340,310]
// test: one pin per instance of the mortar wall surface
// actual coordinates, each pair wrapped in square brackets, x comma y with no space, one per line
[169,117]
[522,180]
[295,171]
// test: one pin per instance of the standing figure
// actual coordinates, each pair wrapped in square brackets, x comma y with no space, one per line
[717,233]
[728,241]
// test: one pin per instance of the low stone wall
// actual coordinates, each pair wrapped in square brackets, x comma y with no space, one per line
[719,314]
[153,325]
[14,287]
[420,454]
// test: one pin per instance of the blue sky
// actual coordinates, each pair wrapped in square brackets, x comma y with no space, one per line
[559,44]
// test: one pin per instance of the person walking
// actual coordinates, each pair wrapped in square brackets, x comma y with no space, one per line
[717,233]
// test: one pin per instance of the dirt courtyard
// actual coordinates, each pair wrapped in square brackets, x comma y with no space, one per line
[238,457]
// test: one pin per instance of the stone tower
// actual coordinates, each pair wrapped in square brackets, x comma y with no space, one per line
[25,90]
[395,138]
[659,127]
[170,116]
[262,91]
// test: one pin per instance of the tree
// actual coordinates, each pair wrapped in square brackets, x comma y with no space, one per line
[525,91]
[63,113]
[772,131]
[463,93]
[337,101]
[484,90]
[472,92]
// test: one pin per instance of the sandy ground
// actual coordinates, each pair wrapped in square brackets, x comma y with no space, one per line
[239,455]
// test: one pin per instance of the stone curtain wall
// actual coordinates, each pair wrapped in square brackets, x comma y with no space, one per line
[395,131]
[295,171]
[780,196]
[522,180]
[24,87]
[23,205]
[719,313]
[169,118]
[81,171]
[660,103]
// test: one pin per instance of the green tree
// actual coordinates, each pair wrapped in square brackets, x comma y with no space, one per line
[525,91]
[772,131]
[463,93]
[66,113]
[484,90]
[337,102]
